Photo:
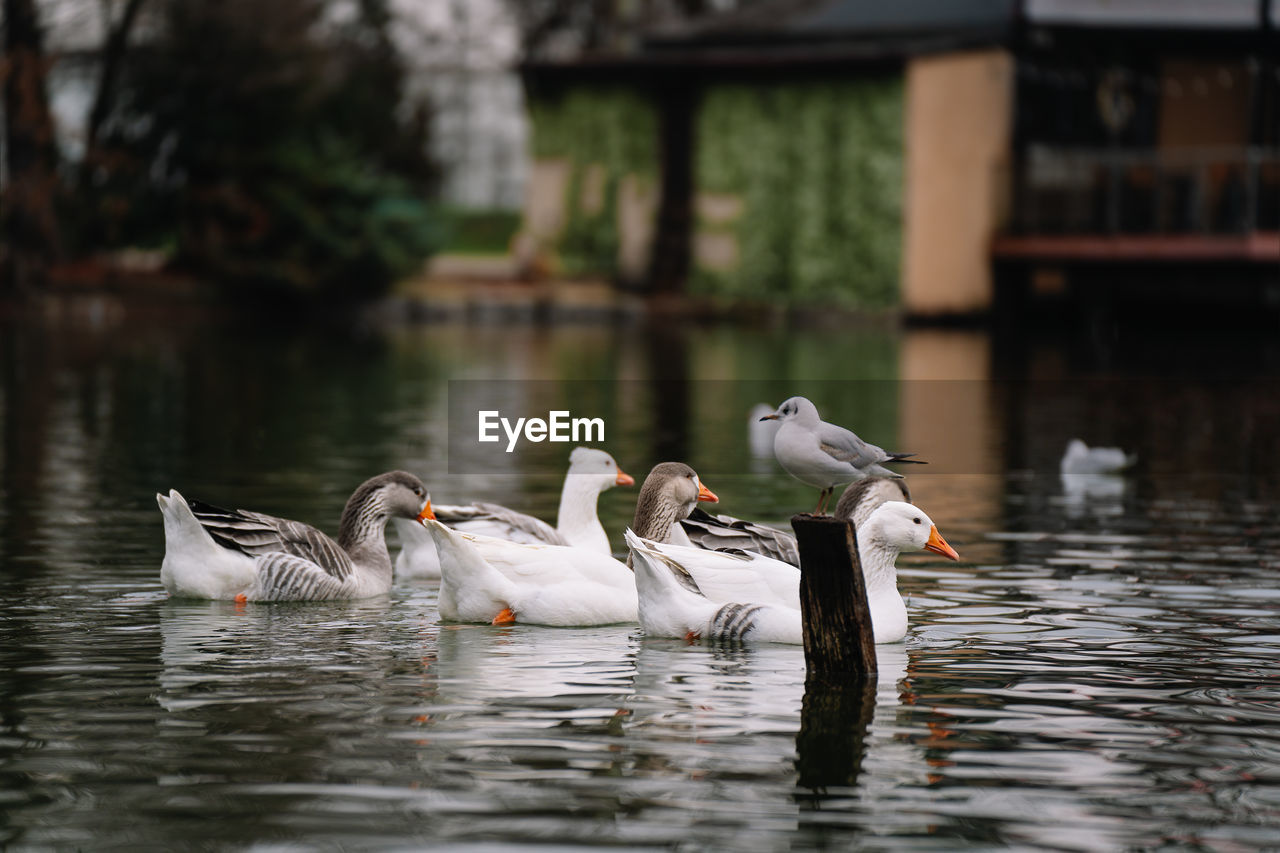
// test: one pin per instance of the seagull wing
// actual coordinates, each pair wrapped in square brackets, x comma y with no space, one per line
[840,444]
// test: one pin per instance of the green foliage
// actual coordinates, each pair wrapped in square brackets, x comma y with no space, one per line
[819,169]
[610,125]
[273,140]
[610,129]
[479,232]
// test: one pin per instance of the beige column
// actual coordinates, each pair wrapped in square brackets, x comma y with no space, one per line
[958,121]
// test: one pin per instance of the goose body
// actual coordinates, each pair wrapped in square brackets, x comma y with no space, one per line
[720,532]
[720,579]
[672,605]
[591,472]
[727,576]
[825,455]
[217,553]
[484,579]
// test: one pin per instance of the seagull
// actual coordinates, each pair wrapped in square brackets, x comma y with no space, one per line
[1080,458]
[824,455]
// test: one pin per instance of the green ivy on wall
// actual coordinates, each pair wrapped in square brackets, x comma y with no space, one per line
[819,169]
[610,128]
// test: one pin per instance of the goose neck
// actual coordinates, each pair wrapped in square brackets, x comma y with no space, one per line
[577,517]
[879,565]
[654,518]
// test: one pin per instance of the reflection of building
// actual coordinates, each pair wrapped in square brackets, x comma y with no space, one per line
[871,153]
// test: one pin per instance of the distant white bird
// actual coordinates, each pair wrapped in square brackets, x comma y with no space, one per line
[761,430]
[1080,458]
[824,455]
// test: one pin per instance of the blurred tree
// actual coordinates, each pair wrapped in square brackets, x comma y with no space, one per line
[32,239]
[270,134]
[114,51]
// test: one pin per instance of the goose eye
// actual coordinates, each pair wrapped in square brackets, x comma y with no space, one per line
[916,519]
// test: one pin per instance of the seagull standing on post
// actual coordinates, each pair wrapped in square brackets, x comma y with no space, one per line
[824,455]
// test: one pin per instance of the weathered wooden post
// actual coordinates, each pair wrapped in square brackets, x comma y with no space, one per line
[836,619]
[839,656]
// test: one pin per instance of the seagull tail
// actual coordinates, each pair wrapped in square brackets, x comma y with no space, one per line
[905,457]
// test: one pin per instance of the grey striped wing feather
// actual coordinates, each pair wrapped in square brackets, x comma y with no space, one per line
[257,534]
[841,444]
[527,524]
[717,532]
[286,577]
[733,622]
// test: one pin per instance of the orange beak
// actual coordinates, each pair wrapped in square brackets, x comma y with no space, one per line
[427,512]
[624,479]
[938,545]
[773,417]
[705,494]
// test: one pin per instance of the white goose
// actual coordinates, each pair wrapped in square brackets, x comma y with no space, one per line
[719,532]
[248,556]
[591,472]
[729,598]
[484,579]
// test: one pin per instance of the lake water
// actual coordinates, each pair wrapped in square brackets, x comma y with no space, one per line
[1099,672]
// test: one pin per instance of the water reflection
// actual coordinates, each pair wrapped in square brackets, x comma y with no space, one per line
[1100,674]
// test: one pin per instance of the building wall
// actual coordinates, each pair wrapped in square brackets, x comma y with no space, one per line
[798,191]
[959,116]
[592,195]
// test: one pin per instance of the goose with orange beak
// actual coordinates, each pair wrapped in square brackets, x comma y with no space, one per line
[690,592]
[591,473]
[235,554]
[486,579]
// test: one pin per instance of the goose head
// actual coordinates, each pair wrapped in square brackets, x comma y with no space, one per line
[395,494]
[797,409]
[596,470]
[668,495]
[863,497]
[899,526]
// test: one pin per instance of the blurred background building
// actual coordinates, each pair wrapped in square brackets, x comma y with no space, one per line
[940,153]
[946,158]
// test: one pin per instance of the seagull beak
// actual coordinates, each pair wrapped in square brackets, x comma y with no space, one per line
[772,417]
[938,545]
[705,494]
[624,479]
[427,512]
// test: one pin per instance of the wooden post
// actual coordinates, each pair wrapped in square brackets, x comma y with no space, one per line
[838,640]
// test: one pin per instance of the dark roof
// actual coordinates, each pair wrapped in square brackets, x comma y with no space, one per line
[837,20]
[771,35]
[1239,15]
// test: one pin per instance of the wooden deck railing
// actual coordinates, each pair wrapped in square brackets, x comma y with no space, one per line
[1206,191]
